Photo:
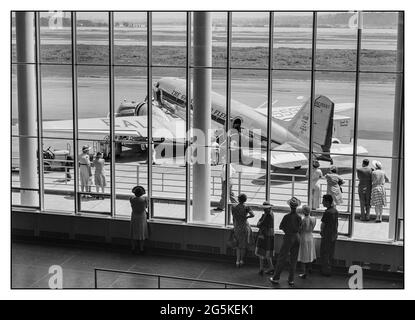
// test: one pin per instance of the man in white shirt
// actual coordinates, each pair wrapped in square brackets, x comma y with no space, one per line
[232,172]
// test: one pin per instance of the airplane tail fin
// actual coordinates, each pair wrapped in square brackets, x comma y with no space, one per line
[323,123]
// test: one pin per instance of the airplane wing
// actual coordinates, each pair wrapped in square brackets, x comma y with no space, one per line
[338,149]
[287,156]
[132,126]
[284,156]
[287,113]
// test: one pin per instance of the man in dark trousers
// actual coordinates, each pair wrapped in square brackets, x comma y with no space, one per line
[290,224]
[328,231]
[364,174]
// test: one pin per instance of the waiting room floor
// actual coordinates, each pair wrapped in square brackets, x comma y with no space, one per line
[31,263]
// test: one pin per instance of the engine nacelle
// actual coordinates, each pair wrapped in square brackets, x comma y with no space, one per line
[132,108]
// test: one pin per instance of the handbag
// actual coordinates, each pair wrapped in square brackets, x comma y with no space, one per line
[232,241]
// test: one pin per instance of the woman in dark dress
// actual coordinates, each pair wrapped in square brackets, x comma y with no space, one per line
[242,230]
[264,247]
[138,225]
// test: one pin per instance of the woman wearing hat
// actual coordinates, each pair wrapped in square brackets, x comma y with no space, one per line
[85,170]
[315,176]
[378,197]
[243,233]
[264,247]
[138,225]
[334,181]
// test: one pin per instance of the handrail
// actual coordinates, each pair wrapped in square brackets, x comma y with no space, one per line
[160,276]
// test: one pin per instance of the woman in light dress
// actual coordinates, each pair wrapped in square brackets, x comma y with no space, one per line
[85,172]
[138,225]
[307,252]
[99,176]
[316,175]
[378,197]
[242,230]
[334,181]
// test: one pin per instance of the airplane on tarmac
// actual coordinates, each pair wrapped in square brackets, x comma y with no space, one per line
[289,130]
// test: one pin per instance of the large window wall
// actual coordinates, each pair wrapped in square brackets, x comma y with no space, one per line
[97,70]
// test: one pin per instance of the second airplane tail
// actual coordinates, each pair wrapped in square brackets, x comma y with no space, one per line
[323,111]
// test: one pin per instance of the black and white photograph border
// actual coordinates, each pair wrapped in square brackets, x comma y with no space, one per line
[241,193]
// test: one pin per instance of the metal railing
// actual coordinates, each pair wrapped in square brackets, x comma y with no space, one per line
[170,183]
[159,277]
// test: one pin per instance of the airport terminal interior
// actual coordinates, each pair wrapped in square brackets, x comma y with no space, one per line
[280,102]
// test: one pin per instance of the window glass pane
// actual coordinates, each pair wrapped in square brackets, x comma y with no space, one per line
[21,168]
[130,38]
[55,37]
[92,37]
[94,132]
[219,39]
[293,33]
[336,42]
[13,34]
[168,154]
[338,88]
[169,38]
[291,91]
[57,113]
[376,113]
[379,41]
[250,39]
[131,149]
[58,174]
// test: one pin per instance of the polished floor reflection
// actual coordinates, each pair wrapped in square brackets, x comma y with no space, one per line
[31,263]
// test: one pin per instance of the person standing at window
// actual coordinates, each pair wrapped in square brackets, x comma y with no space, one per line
[378,199]
[243,233]
[334,181]
[290,224]
[316,175]
[264,248]
[328,232]
[138,225]
[232,199]
[307,252]
[364,174]
[99,176]
[85,171]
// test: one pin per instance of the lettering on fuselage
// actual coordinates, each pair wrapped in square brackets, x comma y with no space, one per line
[125,124]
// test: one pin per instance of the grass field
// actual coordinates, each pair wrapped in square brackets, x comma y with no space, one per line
[255,57]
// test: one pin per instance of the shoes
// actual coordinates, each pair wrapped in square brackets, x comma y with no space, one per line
[218,209]
[270,271]
[274,281]
[291,283]
[241,263]
[378,221]
[303,276]
[238,264]
[261,272]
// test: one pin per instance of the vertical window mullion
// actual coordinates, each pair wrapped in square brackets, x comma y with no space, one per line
[228,116]
[188,110]
[150,111]
[111,111]
[312,97]
[356,121]
[39,112]
[269,110]
[75,108]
